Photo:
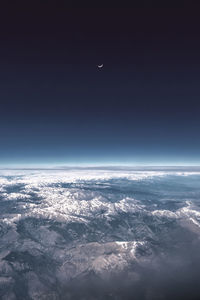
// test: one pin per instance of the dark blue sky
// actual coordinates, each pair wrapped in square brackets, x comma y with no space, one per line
[57,107]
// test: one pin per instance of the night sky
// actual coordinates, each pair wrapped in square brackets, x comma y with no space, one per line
[58,107]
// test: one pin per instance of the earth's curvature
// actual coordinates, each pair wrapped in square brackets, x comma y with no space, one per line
[105,233]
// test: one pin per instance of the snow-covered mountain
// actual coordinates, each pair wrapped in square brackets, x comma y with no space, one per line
[98,234]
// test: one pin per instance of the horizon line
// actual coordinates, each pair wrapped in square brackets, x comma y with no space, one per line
[100,166]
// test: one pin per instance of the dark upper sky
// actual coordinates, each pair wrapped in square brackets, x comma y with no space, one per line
[57,107]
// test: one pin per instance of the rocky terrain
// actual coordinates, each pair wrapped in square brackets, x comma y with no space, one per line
[99,234]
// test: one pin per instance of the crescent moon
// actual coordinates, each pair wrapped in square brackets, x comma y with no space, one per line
[100,66]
